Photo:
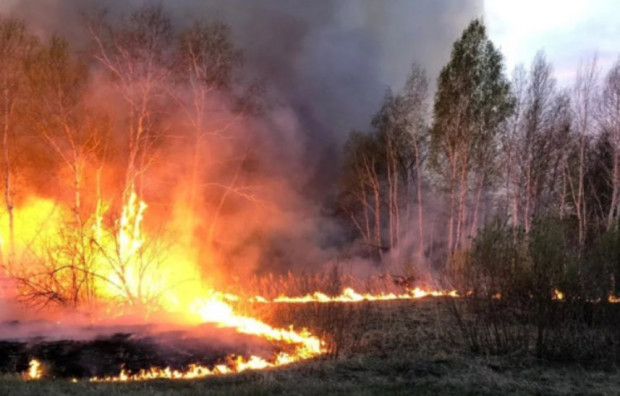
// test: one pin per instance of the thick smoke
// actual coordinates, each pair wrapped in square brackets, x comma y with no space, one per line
[330,61]
[325,65]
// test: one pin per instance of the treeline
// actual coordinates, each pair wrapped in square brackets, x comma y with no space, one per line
[426,179]
[508,191]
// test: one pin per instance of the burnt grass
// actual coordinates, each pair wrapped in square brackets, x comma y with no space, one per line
[379,348]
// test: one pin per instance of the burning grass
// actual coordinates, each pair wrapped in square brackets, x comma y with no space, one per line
[112,269]
[392,348]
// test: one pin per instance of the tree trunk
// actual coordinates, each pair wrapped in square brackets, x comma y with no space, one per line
[613,205]
[8,195]
[474,224]
[461,214]
[418,170]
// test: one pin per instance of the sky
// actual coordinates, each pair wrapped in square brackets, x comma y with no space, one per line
[569,32]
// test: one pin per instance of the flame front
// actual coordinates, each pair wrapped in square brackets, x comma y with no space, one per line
[220,313]
[194,371]
[349,295]
[124,272]
[215,310]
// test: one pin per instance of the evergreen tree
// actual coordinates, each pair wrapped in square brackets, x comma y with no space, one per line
[472,102]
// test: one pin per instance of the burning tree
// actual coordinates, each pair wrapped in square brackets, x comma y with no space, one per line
[16,45]
[150,114]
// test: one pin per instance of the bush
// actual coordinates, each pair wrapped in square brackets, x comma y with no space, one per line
[539,292]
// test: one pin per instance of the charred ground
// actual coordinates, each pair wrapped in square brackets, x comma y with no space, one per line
[406,347]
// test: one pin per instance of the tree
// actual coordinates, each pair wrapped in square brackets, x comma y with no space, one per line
[584,105]
[472,102]
[57,113]
[207,62]
[136,57]
[57,84]
[360,192]
[16,45]
[383,171]
[610,125]
[536,144]
[414,100]
[510,146]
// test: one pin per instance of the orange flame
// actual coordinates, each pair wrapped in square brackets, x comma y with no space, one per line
[194,371]
[35,371]
[349,295]
[214,310]
[123,274]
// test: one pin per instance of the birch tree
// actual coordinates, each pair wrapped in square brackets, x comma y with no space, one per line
[16,45]
[610,125]
[207,65]
[584,105]
[136,58]
[472,102]
[57,88]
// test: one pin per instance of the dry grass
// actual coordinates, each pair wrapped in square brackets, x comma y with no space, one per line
[388,348]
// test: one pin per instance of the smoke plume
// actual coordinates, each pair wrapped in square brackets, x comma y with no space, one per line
[325,66]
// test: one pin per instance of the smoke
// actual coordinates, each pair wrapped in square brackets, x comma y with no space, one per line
[325,65]
[329,61]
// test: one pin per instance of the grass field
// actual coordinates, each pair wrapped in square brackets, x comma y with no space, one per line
[392,348]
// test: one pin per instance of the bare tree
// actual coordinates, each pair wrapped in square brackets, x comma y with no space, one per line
[16,45]
[537,146]
[57,112]
[136,57]
[383,172]
[415,98]
[360,191]
[584,105]
[536,140]
[207,64]
[610,124]
[510,146]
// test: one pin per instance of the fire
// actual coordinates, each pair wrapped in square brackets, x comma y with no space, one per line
[214,310]
[35,371]
[349,296]
[125,272]
[194,371]
[129,234]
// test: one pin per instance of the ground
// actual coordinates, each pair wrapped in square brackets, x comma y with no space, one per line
[401,348]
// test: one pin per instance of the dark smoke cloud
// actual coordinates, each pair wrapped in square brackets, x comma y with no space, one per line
[326,65]
[329,60]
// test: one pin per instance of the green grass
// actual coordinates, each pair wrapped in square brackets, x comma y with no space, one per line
[385,349]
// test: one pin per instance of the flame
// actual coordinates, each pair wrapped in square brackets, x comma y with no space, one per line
[129,234]
[126,272]
[214,310]
[195,371]
[349,295]
[35,371]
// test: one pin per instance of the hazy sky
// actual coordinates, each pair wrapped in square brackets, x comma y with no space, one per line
[569,32]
